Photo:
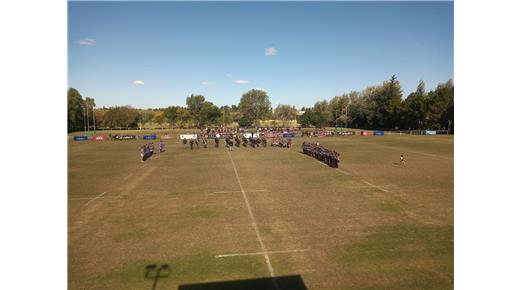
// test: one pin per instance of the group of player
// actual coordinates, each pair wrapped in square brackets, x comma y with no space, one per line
[146,151]
[281,142]
[327,156]
[252,141]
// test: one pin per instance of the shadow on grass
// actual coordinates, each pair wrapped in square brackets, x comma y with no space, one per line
[156,272]
[293,282]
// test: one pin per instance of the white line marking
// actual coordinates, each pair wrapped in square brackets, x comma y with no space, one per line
[231,191]
[255,226]
[95,198]
[427,154]
[83,198]
[344,172]
[406,150]
[375,186]
[260,253]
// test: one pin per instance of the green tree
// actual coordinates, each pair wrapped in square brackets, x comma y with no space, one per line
[75,109]
[209,114]
[440,106]
[322,114]
[183,116]
[384,104]
[158,117]
[414,108]
[171,114]
[121,117]
[285,113]
[255,105]
[227,115]
[338,108]
[307,118]
[244,121]
[195,104]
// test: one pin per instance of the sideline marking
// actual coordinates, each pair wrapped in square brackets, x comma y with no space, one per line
[261,253]
[255,226]
[95,198]
[375,186]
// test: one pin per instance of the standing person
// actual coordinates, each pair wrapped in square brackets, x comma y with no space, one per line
[402,162]
[161,146]
[142,153]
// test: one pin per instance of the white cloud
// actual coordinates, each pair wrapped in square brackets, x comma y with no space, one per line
[241,82]
[138,83]
[271,51]
[87,41]
[207,83]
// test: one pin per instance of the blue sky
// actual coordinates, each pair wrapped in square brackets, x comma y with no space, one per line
[154,54]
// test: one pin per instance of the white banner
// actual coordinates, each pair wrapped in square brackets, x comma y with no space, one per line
[188,136]
[249,135]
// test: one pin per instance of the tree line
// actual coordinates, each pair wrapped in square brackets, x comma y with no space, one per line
[376,107]
[383,107]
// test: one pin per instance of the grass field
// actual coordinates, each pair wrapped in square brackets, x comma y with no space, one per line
[245,216]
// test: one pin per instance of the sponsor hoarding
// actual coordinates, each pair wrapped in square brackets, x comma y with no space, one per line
[99,138]
[80,138]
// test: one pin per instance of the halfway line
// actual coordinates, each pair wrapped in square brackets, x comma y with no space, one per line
[253,222]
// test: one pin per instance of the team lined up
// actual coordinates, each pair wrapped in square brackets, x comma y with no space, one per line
[329,157]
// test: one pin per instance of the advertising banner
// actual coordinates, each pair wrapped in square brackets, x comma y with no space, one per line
[80,138]
[188,136]
[379,133]
[431,132]
[150,137]
[166,136]
[99,138]
[364,133]
[124,137]
[288,134]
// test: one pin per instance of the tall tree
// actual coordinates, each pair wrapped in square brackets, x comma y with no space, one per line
[414,108]
[338,108]
[209,114]
[255,105]
[170,113]
[159,118]
[75,109]
[307,118]
[195,104]
[285,113]
[322,114]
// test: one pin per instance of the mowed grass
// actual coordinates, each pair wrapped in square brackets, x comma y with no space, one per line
[372,224]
